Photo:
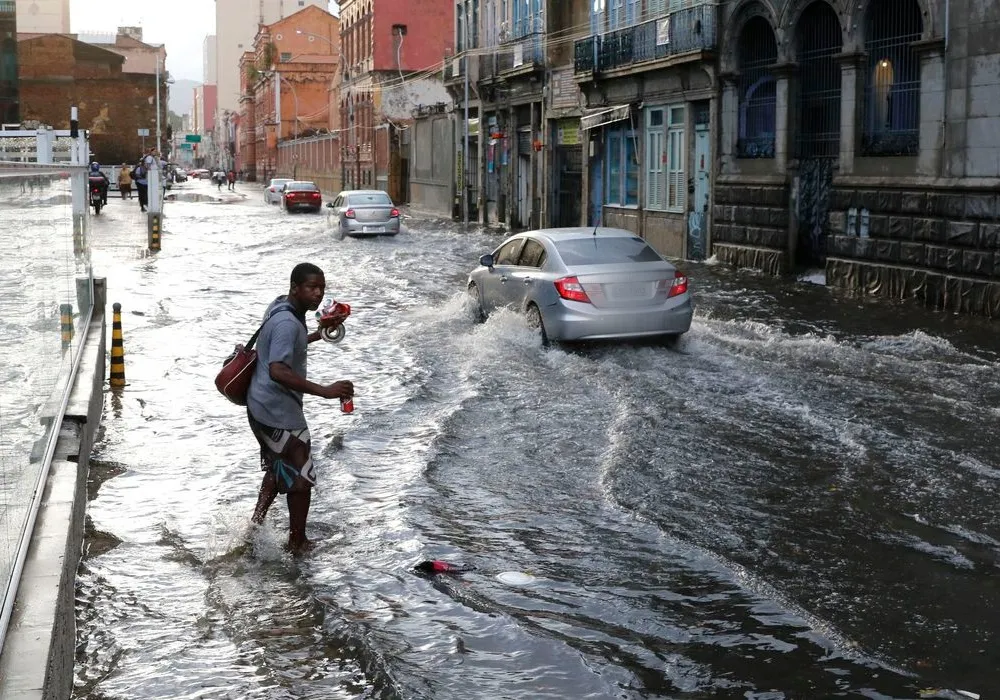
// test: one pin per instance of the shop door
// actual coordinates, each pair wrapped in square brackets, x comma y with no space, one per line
[568,186]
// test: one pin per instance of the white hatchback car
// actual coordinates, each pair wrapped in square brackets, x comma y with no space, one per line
[272,193]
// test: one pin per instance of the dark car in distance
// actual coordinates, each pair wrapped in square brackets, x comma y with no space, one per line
[298,196]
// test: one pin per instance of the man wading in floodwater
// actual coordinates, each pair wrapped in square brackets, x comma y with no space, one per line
[274,401]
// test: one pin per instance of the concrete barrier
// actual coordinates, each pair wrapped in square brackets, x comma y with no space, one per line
[38,656]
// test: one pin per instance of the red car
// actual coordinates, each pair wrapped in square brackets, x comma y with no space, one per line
[302,195]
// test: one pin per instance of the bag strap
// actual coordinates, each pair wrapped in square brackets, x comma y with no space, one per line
[253,339]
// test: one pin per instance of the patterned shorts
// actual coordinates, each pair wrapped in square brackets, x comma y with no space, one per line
[286,454]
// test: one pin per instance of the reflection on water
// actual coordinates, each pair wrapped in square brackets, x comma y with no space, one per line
[796,501]
[44,284]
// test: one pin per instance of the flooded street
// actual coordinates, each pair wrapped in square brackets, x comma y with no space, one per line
[798,501]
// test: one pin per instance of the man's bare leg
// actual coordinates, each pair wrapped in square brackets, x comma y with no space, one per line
[298,511]
[268,492]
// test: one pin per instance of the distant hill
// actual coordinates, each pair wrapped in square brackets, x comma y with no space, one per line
[182,96]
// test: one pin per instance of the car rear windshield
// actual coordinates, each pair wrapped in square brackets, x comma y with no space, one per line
[301,186]
[595,250]
[357,200]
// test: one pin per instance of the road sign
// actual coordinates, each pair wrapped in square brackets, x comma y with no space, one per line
[185,146]
[143,132]
[193,138]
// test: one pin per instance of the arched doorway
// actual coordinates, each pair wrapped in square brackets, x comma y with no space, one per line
[758,53]
[818,42]
[891,122]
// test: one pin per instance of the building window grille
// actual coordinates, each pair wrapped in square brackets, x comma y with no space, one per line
[819,41]
[892,79]
[758,53]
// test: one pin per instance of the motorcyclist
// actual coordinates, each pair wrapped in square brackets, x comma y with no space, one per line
[100,179]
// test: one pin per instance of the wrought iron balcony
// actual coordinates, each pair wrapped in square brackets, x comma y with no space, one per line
[523,53]
[683,31]
[523,49]
[455,68]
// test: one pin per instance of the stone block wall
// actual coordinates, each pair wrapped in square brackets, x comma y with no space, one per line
[754,217]
[946,242]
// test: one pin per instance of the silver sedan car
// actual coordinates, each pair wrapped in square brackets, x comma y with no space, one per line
[584,284]
[364,213]
[273,190]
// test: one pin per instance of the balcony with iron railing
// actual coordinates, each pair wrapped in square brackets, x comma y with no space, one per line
[684,31]
[455,68]
[523,50]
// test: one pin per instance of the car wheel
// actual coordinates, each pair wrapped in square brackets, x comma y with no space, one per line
[477,309]
[534,318]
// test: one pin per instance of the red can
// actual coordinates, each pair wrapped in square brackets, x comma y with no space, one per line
[347,405]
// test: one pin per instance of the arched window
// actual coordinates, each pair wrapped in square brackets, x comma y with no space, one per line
[758,52]
[818,40]
[892,79]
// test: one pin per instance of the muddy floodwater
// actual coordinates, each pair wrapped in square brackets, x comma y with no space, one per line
[799,500]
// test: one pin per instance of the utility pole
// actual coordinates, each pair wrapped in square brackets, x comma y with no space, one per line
[465,148]
[159,144]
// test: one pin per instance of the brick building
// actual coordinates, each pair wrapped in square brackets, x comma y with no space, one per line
[9,110]
[392,60]
[57,72]
[291,67]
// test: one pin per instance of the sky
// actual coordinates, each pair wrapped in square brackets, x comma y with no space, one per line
[180,24]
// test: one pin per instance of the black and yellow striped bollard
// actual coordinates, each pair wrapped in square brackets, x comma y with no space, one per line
[117,349]
[66,324]
[154,231]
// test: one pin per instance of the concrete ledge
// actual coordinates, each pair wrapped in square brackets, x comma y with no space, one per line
[767,260]
[938,290]
[38,656]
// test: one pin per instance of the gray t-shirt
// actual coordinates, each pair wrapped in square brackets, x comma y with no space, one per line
[283,339]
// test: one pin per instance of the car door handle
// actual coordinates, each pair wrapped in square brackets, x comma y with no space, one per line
[527,281]
[503,279]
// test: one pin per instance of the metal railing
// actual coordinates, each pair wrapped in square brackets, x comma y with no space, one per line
[524,52]
[45,310]
[683,31]
[455,68]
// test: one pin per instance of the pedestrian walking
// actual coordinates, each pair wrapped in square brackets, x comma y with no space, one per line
[140,177]
[125,181]
[274,401]
[231,177]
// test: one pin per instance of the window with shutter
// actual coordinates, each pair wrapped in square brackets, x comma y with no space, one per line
[656,8]
[613,157]
[655,157]
[631,165]
[676,183]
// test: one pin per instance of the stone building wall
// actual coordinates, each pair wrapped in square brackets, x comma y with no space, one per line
[923,224]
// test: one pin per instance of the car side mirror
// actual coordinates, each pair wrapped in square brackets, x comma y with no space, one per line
[486,261]
[329,205]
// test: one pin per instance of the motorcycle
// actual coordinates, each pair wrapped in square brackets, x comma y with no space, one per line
[96,198]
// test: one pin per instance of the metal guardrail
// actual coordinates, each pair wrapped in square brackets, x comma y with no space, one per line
[691,29]
[46,308]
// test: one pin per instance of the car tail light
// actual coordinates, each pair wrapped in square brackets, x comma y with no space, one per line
[349,213]
[679,286]
[394,213]
[315,195]
[570,288]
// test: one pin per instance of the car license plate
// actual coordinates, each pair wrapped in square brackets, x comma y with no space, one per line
[371,229]
[629,290]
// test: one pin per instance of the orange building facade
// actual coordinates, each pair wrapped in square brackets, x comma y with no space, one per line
[285,88]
